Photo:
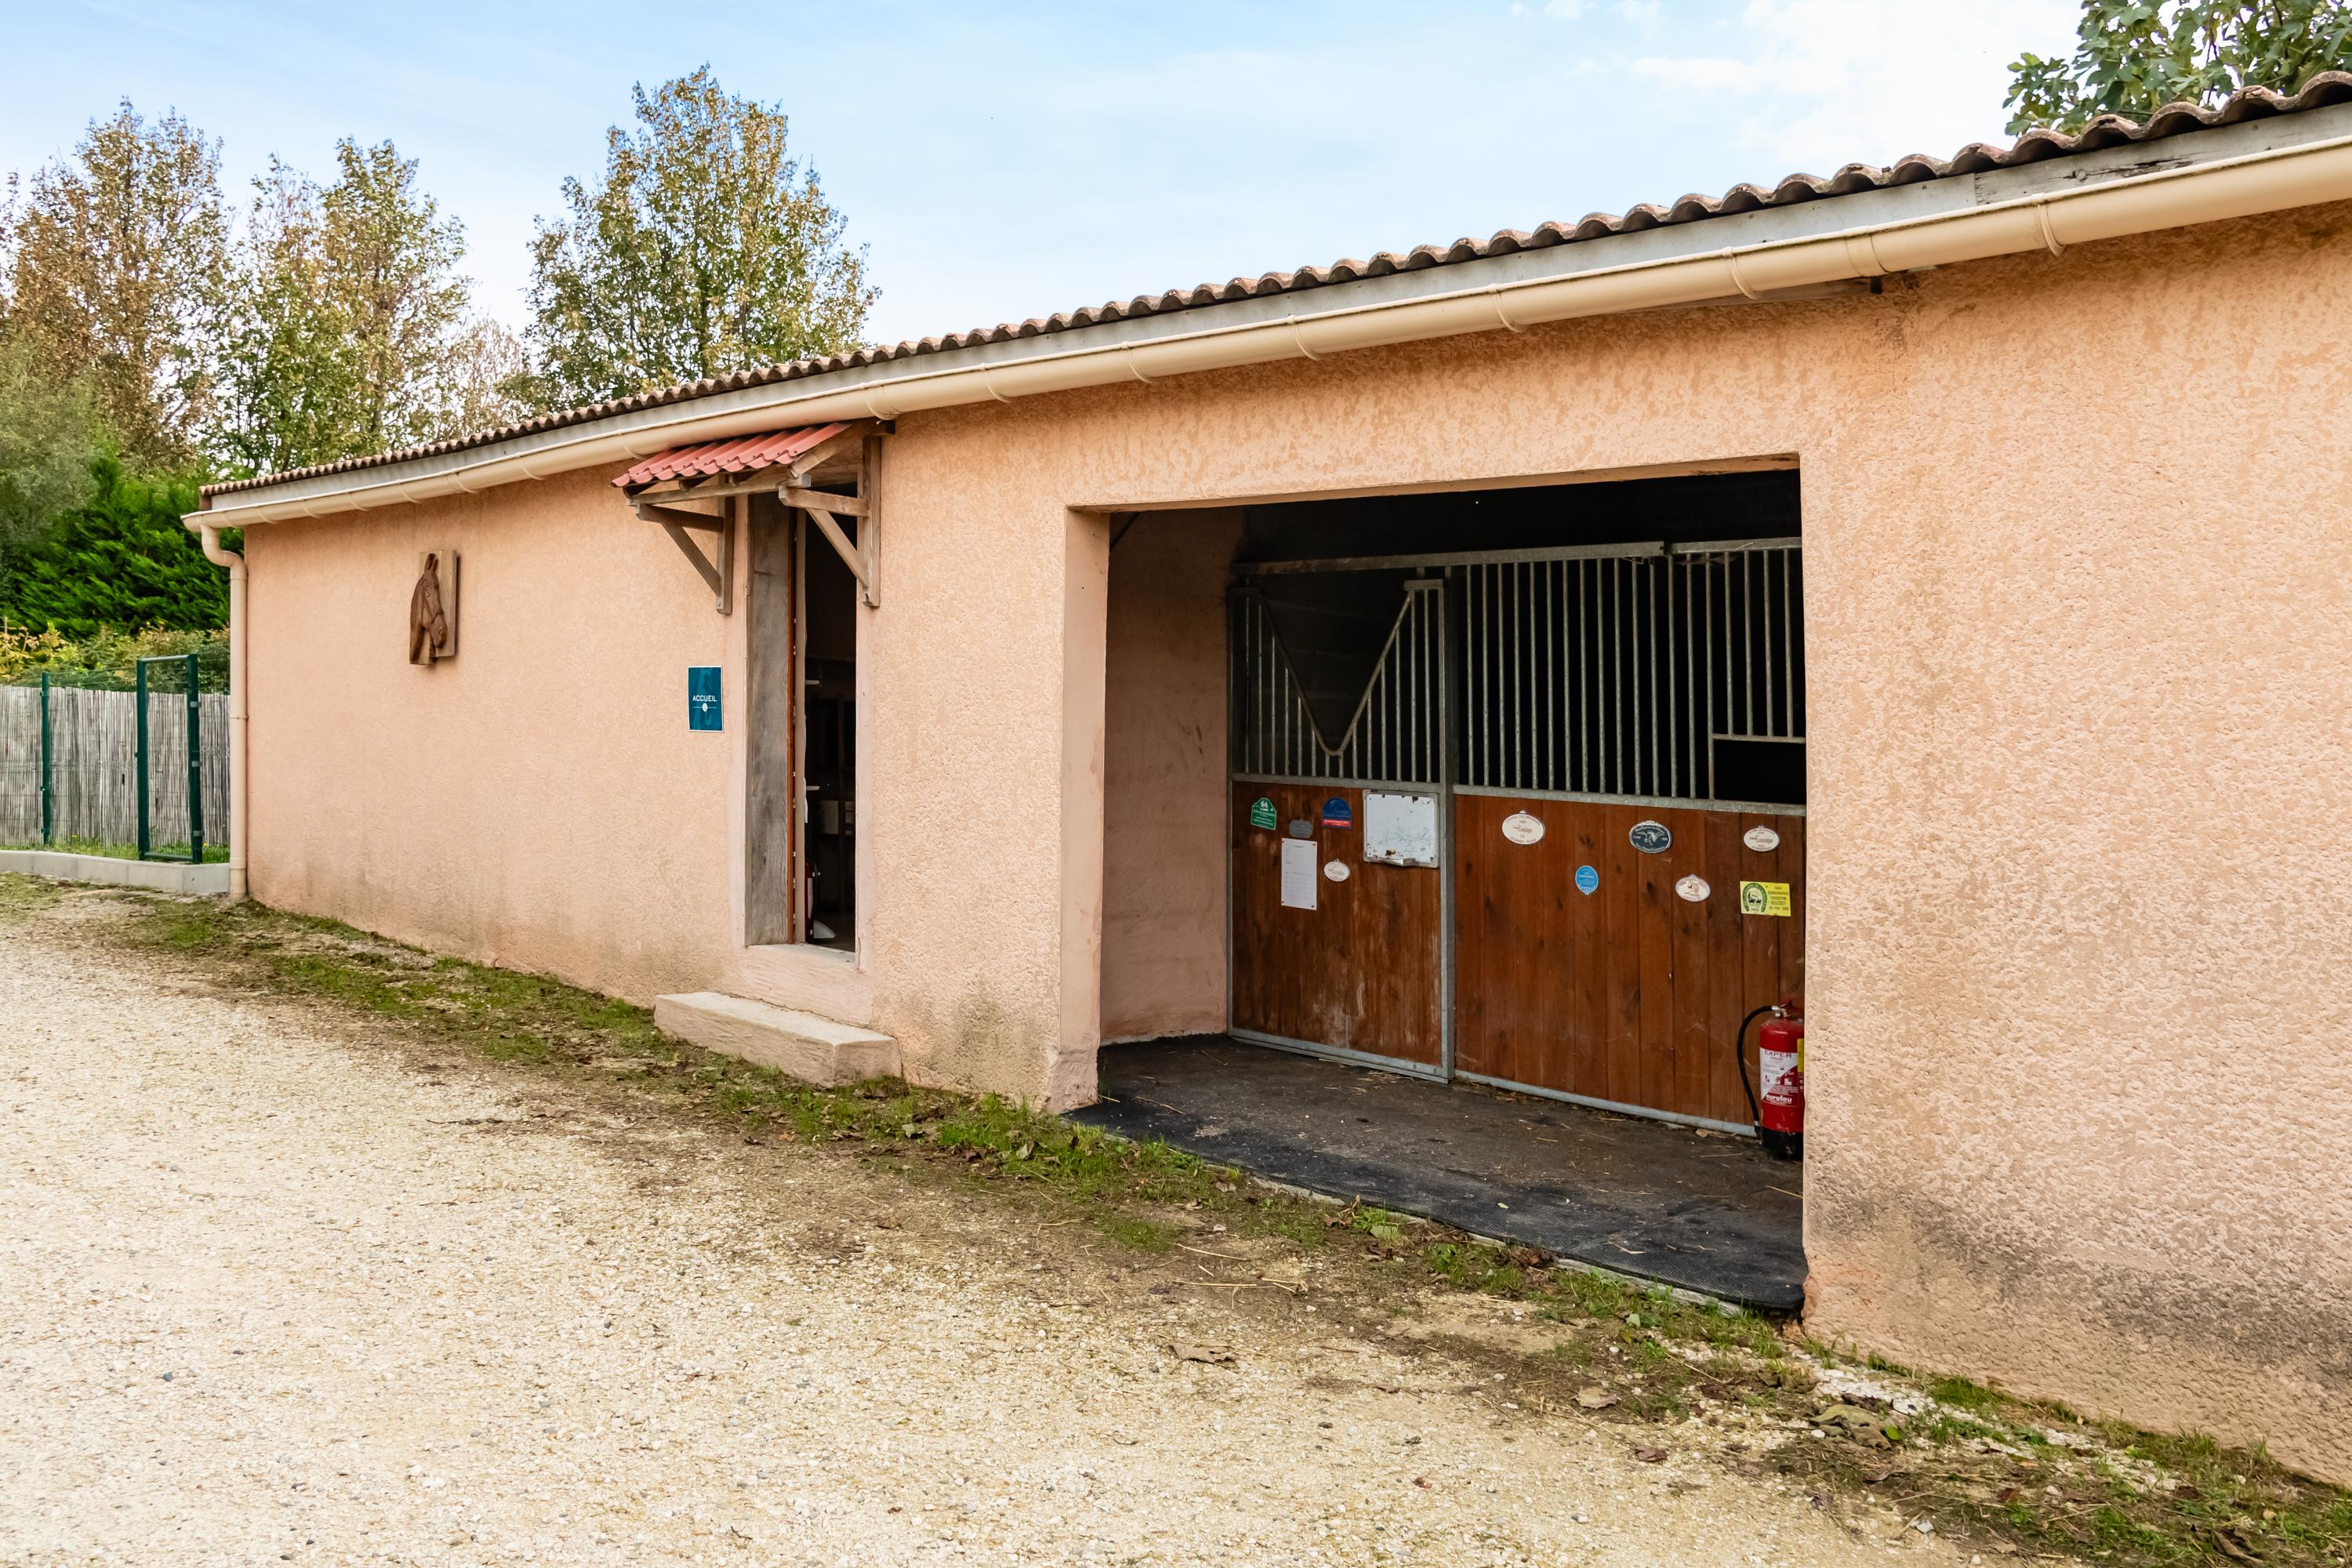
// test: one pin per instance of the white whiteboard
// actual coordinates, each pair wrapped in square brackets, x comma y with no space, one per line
[1401,829]
[1299,873]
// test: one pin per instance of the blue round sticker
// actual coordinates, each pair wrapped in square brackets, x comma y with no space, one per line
[1588,880]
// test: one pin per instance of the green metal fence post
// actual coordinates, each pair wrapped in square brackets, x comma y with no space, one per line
[196,772]
[48,801]
[141,781]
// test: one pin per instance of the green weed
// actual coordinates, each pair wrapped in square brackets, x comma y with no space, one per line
[214,853]
[1961,1394]
[1142,1235]
[21,895]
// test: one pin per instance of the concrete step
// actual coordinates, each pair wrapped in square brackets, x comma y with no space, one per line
[799,1044]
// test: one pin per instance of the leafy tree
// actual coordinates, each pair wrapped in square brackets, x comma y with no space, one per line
[48,438]
[289,382]
[485,381]
[107,658]
[122,560]
[703,249]
[114,265]
[2133,57]
[349,332]
[393,271]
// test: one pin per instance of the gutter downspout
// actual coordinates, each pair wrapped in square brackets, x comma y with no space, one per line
[209,534]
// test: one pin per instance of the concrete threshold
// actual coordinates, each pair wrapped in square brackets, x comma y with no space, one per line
[208,880]
[798,1044]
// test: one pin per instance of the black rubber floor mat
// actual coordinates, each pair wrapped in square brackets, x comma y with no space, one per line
[1707,1211]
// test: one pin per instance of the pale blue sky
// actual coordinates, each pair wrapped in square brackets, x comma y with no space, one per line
[1012,161]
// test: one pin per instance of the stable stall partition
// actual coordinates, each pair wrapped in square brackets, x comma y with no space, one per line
[1531,817]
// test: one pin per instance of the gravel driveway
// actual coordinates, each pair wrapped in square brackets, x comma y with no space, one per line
[270,1291]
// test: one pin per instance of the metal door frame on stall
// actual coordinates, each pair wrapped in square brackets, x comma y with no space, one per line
[1628,691]
[1394,743]
[1640,704]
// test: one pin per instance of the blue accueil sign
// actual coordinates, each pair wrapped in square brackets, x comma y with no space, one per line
[702,707]
[1588,880]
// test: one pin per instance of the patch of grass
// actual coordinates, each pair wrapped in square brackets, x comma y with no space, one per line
[1142,1235]
[2122,1497]
[21,895]
[1961,1394]
[1308,1232]
[214,853]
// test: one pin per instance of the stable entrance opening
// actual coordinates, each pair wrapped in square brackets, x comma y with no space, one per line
[828,663]
[1516,786]
[1428,815]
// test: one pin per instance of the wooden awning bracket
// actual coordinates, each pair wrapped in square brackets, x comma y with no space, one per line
[826,510]
[856,449]
[719,573]
[852,556]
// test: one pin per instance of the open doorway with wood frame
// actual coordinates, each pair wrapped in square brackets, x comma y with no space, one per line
[802,505]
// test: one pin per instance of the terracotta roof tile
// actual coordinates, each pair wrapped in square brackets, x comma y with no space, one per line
[2107,131]
[736,455]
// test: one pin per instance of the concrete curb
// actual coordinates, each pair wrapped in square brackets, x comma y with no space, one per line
[210,881]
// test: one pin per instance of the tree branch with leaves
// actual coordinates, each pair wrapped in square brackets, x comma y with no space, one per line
[115,265]
[2133,57]
[704,249]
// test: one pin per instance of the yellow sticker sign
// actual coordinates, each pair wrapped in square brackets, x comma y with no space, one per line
[1764,898]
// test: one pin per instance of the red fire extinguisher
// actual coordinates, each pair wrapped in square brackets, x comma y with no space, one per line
[1781,1064]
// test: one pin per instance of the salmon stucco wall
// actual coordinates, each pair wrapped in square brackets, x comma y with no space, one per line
[2078,606]
[538,800]
[1164,823]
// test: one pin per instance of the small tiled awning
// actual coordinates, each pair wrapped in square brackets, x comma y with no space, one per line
[735,455]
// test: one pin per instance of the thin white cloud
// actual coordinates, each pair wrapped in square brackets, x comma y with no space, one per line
[1822,82]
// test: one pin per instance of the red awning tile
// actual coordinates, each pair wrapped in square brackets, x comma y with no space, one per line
[736,455]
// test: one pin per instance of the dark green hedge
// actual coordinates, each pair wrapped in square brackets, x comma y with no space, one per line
[122,562]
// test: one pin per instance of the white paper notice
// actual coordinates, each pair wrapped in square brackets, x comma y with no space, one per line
[1299,866]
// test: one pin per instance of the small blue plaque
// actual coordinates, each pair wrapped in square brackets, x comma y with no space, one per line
[1588,880]
[703,706]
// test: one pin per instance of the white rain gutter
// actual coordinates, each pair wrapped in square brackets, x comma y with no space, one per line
[2270,180]
[209,534]
[2266,180]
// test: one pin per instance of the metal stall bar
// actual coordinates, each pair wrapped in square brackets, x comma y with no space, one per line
[1608,673]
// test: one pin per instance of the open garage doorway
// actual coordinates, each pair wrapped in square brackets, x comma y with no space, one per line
[1518,784]
[1500,788]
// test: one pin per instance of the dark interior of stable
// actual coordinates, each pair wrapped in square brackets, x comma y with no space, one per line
[1568,673]
[829,764]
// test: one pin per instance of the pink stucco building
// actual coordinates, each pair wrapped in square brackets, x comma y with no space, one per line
[1974,532]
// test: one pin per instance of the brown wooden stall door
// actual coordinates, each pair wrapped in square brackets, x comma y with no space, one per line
[1360,972]
[1630,993]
